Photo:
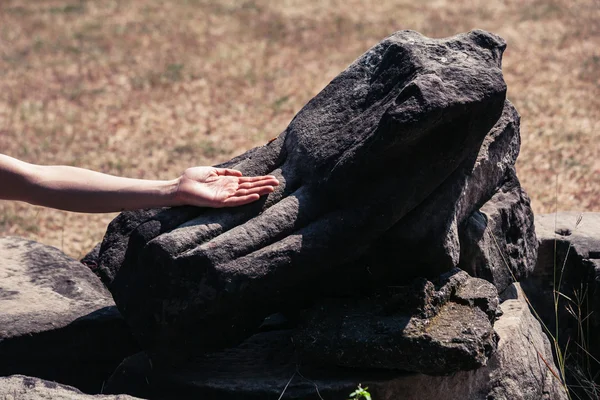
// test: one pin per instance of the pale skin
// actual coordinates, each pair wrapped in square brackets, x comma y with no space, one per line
[82,190]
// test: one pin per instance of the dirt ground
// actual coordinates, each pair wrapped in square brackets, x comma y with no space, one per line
[148,88]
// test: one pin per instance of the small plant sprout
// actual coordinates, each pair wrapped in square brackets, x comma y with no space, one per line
[360,393]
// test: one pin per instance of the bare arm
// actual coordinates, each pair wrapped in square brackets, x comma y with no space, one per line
[82,190]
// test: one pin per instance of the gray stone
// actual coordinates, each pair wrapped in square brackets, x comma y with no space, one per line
[450,329]
[569,262]
[57,320]
[523,367]
[266,365]
[573,232]
[570,249]
[498,241]
[19,387]
[397,123]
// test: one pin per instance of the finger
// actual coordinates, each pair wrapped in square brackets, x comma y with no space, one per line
[264,182]
[240,200]
[245,179]
[257,190]
[228,172]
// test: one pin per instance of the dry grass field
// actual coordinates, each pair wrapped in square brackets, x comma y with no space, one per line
[145,88]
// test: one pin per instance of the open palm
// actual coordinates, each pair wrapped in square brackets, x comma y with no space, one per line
[221,187]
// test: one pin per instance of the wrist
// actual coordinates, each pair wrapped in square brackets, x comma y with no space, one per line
[169,192]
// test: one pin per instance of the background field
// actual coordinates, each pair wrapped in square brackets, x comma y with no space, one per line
[148,88]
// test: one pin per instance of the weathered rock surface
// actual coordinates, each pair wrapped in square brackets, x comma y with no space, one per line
[522,367]
[573,249]
[419,328]
[266,365]
[498,241]
[428,237]
[19,387]
[366,151]
[57,320]
[569,246]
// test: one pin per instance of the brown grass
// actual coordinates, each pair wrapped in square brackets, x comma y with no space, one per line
[148,88]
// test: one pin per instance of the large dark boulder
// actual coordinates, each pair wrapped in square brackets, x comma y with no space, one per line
[358,158]
[57,320]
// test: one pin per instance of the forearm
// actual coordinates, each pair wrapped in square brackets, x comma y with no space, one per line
[81,190]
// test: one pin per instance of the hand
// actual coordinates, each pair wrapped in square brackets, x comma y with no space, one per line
[221,187]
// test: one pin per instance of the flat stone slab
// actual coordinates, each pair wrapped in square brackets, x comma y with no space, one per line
[569,245]
[20,387]
[581,230]
[57,320]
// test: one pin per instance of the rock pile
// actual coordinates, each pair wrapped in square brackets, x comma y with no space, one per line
[396,145]
[379,258]
[261,366]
